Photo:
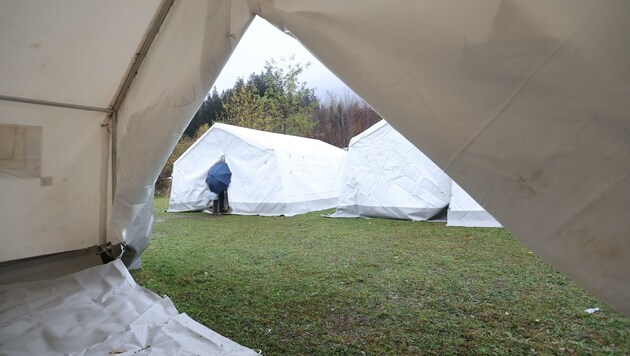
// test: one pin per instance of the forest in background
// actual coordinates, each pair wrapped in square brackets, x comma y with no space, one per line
[276,100]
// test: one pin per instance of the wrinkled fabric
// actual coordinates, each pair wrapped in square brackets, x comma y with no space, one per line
[386,176]
[272,174]
[99,311]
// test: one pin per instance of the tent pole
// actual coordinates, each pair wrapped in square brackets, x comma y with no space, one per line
[106,145]
[114,128]
[141,53]
[54,103]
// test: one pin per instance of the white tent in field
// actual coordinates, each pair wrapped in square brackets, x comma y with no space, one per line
[463,210]
[524,103]
[388,177]
[272,174]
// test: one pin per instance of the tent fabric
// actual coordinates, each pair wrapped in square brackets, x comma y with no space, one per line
[523,103]
[463,210]
[99,311]
[272,174]
[48,53]
[386,176]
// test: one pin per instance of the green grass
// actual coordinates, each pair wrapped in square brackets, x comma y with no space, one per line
[314,285]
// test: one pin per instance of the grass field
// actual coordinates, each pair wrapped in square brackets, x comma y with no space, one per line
[315,285]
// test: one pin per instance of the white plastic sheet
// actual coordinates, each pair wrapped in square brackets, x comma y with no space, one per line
[272,174]
[387,177]
[100,311]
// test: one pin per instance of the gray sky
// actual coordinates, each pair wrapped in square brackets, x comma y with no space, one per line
[263,41]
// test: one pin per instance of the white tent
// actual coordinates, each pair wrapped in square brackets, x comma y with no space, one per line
[272,174]
[463,210]
[524,103]
[388,177]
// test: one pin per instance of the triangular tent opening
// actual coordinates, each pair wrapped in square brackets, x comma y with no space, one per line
[526,100]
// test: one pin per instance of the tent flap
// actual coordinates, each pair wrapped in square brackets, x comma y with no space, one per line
[524,103]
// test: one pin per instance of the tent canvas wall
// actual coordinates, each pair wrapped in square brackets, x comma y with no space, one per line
[386,176]
[523,102]
[463,210]
[272,174]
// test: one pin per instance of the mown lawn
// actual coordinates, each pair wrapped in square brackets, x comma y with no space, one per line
[315,285]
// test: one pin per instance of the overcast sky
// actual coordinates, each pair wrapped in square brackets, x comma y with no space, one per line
[263,41]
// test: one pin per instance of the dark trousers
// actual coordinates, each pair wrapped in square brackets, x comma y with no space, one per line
[218,205]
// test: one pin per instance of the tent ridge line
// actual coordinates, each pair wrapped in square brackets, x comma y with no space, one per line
[55,103]
[141,53]
[130,75]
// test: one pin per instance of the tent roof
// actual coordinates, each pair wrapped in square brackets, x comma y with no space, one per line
[367,132]
[265,140]
[50,55]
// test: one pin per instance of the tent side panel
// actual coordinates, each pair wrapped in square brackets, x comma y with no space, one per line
[388,177]
[53,163]
[311,179]
[256,187]
[255,175]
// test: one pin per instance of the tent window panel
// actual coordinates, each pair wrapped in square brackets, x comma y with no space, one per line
[20,151]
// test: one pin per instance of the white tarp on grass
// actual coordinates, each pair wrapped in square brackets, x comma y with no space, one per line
[463,210]
[272,174]
[388,177]
[100,311]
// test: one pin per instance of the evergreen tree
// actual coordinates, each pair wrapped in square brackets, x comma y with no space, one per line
[210,111]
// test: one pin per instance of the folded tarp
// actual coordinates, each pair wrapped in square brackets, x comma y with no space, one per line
[100,311]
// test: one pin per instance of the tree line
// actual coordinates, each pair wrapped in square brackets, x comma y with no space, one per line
[276,100]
